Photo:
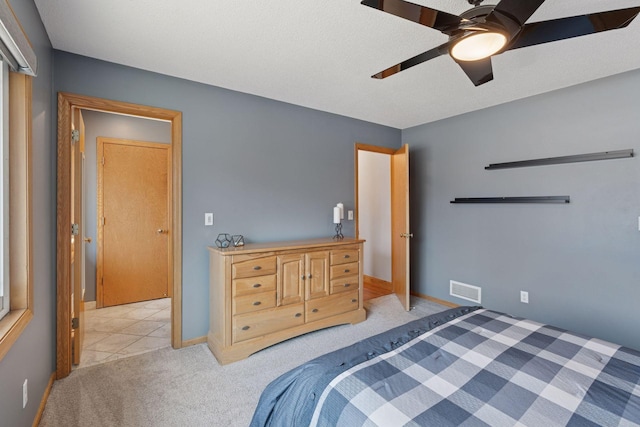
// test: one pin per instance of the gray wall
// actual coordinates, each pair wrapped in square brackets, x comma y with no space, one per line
[579,262]
[32,357]
[115,126]
[267,170]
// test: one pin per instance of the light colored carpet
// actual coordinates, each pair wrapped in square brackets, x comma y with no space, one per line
[188,387]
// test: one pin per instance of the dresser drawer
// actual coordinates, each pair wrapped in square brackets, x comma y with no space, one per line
[344,270]
[254,267]
[344,284]
[254,302]
[252,285]
[331,305]
[344,256]
[252,325]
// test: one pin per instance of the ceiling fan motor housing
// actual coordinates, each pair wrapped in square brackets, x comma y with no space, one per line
[474,22]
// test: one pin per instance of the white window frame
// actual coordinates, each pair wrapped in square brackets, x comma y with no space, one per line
[5,302]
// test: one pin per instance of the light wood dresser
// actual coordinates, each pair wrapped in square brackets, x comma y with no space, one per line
[262,294]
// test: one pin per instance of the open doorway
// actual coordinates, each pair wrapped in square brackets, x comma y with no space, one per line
[68,328]
[374,219]
[382,218]
[128,180]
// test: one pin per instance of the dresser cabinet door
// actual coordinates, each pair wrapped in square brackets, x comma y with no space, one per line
[291,277]
[317,269]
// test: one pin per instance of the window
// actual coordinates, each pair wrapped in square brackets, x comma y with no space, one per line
[17,240]
[19,62]
[5,290]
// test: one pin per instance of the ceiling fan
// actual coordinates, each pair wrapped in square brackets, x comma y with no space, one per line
[486,30]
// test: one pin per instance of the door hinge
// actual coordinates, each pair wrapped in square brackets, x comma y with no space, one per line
[75,323]
[75,229]
[102,160]
[75,135]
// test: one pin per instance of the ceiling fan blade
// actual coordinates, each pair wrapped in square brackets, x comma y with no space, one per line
[418,59]
[519,10]
[479,72]
[574,26]
[422,15]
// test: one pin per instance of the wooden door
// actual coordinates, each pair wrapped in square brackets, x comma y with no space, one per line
[77,235]
[133,218]
[317,271]
[291,276]
[66,103]
[400,233]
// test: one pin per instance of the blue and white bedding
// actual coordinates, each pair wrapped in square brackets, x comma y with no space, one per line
[463,367]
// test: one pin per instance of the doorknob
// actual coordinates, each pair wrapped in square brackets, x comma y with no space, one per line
[87,239]
[406,235]
[161,231]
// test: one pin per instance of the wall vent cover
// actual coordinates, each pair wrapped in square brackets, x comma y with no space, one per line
[465,291]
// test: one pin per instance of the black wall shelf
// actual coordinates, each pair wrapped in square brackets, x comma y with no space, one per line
[605,155]
[532,199]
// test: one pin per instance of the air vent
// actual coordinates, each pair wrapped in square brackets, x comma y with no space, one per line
[464,291]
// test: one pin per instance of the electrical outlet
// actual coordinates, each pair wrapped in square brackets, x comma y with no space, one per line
[25,394]
[208,218]
[524,297]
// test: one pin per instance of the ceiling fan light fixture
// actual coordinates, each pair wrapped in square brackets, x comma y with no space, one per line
[478,45]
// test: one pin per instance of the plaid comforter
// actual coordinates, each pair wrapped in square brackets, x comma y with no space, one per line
[489,369]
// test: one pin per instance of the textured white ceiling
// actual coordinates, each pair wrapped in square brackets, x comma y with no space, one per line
[321,54]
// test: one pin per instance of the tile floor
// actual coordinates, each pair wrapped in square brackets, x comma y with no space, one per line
[125,330]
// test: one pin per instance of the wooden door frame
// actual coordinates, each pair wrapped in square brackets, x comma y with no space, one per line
[382,284]
[390,152]
[67,101]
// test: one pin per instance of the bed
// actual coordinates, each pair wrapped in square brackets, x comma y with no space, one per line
[466,366]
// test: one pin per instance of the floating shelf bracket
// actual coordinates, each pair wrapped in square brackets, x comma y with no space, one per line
[532,199]
[605,155]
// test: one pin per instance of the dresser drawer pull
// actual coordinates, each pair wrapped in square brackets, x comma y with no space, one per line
[346,256]
[346,285]
[298,314]
[257,303]
[245,328]
[347,270]
[257,285]
[257,267]
[354,300]
[315,310]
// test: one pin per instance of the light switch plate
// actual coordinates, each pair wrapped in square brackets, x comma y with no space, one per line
[208,218]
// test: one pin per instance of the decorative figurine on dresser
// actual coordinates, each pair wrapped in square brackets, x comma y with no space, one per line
[265,293]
